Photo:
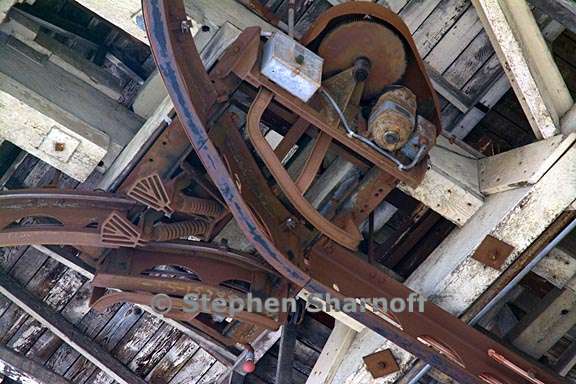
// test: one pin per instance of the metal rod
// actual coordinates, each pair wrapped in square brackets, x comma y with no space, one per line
[513,283]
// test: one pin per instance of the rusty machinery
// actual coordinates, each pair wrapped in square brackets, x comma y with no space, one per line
[354,87]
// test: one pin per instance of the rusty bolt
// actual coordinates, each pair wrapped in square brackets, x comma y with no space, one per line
[59,147]
[291,223]
[493,257]
[382,365]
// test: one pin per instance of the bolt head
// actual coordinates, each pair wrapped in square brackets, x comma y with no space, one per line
[391,137]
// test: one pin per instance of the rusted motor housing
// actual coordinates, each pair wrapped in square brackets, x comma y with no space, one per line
[392,120]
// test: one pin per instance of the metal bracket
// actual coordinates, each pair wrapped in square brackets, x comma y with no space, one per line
[381,363]
[493,252]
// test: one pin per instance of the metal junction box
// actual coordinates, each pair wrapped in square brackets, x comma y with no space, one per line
[292,66]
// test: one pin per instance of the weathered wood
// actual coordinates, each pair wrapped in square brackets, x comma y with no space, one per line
[450,187]
[563,11]
[454,41]
[36,133]
[176,358]
[332,355]
[197,367]
[438,22]
[539,331]
[219,12]
[558,267]
[528,63]
[32,371]
[152,352]
[121,13]
[58,325]
[209,52]
[521,166]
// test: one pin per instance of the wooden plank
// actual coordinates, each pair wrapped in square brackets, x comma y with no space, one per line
[121,13]
[528,63]
[58,325]
[332,354]
[539,331]
[454,41]
[32,371]
[558,267]
[521,166]
[472,58]
[563,11]
[516,217]
[219,12]
[450,187]
[193,372]
[58,296]
[415,12]
[442,18]
[33,131]
[180,355]
[152,352]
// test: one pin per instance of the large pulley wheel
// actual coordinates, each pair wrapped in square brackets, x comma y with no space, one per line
[346,43]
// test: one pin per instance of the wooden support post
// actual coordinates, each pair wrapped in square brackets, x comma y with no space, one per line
[333,353]
[26,371]
[67,332]
[528,63]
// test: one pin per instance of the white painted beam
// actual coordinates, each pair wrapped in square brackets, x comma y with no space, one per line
[333,353]
[521,166]
[527,61]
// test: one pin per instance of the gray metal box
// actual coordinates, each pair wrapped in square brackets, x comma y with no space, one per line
[292,66]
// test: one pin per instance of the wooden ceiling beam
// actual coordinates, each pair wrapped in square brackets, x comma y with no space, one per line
[527,61]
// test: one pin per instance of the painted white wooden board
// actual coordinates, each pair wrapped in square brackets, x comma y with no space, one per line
[30,130]
[521,166]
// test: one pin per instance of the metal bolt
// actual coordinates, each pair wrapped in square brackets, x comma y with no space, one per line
[391,137]
[299,59]
[291,223]
[361,69]
[382,365]
[59,147]
[185,25]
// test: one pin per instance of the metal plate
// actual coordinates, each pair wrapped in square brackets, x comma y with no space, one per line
[493,252]
[381,363]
